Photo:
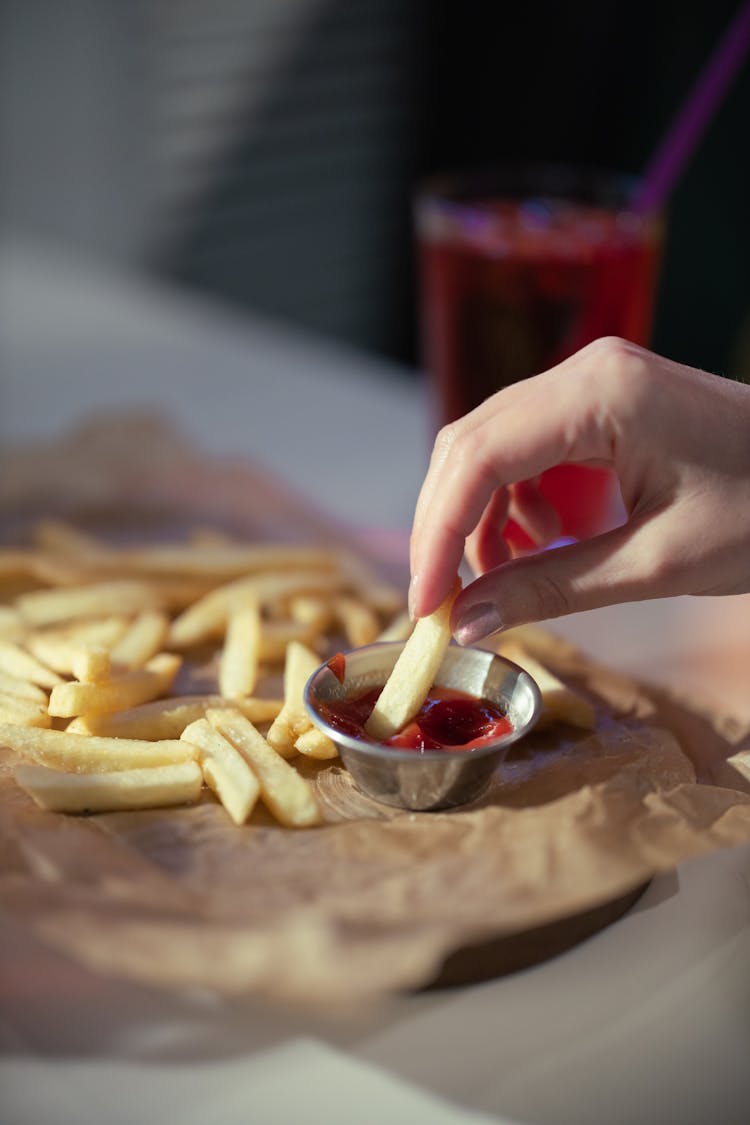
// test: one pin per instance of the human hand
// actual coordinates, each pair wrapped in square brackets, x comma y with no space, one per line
[678,440]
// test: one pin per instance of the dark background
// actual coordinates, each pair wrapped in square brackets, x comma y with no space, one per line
[382,94]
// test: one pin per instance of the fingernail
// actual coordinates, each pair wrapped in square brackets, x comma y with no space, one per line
[476,622]
[412,595]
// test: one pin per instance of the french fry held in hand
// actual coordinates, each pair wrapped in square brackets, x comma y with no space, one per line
[108,792]
[409,683]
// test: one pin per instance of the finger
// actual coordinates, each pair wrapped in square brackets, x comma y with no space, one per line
[533,512]
[517,434]
[622,565]
[485,547]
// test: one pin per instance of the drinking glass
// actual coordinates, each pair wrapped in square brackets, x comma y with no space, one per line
[519,268]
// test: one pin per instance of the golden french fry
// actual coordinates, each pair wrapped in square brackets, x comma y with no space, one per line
[15,661]
[400,629]
[57,653]
[560,703]
[293,720]
[360,623]
[105,631]
[156,787]
[62,537]
[412,677]
[25,712]
[536,641]
[311,610]
[13,685]
[206,619]
[142,640]
[89,754]
[285,792]
[277,635]
[92,664]
[12,627]
[97,599]
[223,561]
[118,693]
[314,744]
[238,665]
[225,770]
[167,718]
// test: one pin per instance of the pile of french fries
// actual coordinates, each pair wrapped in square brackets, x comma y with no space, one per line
[93,641]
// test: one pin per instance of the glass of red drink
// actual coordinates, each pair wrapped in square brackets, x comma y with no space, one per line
[520,267]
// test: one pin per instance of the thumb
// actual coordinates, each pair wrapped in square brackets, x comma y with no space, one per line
[622,565]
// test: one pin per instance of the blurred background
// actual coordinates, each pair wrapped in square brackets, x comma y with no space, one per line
[266,152]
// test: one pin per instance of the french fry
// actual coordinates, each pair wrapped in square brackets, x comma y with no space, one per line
[359,622]
[560,703]
[17,563]
[225,770]
[143,639]
[286,794]
[92,664]
[98,599]
[88,754]
[276,636]
[167,718]
[313,743]
[12,627]
[409,683]
[13,685]
[293,720]
[238,665]
[105,631]
[118,693]
[224,561]
[208,537]
[25,712]
[57,653]
[536,641]
[312,611]
[62,537]
[15,661]
[157,787]
[206,619]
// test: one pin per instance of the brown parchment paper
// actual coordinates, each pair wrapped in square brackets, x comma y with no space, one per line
[376,899]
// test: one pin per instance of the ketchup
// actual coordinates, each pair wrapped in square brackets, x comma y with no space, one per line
[447,720]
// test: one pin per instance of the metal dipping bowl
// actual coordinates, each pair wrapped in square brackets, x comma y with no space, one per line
[428,779]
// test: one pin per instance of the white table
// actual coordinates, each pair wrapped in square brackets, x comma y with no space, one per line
[647,1022]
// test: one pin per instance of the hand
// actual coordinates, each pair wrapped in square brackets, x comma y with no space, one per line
[678,440]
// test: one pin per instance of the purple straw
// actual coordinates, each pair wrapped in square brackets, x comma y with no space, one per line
[673,153]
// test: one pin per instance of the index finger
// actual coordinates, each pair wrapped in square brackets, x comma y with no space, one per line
[516,434]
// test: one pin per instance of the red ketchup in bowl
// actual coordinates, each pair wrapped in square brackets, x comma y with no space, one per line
[447,720]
